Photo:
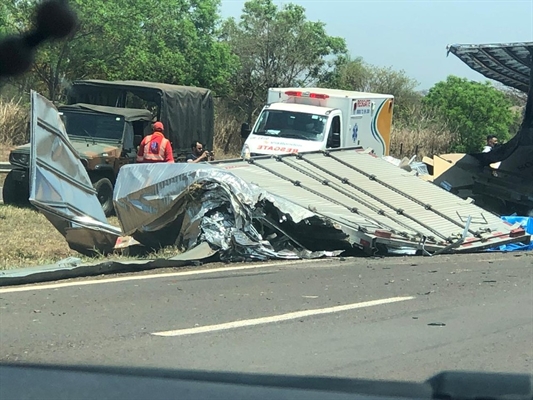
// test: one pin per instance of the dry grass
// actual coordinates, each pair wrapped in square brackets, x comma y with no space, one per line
[29,239]
[407,142]
[423,135]
[5,149]
[14,118]
[227,141]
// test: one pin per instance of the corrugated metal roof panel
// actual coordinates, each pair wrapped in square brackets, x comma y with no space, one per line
[366,192]
[508,63]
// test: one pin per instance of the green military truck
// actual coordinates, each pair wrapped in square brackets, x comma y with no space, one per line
[188,113]
[106,122]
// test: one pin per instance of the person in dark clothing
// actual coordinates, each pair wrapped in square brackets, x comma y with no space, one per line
[199,154]
[492,141]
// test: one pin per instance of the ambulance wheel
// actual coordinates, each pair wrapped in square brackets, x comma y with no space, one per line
[104,192]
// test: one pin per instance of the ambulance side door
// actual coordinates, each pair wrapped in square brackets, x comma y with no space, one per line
[334,138]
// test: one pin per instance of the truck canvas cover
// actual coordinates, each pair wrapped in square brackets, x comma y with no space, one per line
[185,111]
[129,114]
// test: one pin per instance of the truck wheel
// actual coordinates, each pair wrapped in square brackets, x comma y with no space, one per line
[104,192]
[14,193]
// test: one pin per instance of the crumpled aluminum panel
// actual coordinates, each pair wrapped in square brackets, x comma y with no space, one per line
[184,204]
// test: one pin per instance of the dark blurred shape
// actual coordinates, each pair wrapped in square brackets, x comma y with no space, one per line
[54,19]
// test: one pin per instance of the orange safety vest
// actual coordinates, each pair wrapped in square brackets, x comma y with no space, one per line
[154,148]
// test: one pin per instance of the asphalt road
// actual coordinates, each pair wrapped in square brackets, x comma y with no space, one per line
[321,318]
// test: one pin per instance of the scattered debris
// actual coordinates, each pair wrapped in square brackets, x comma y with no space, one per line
[286,207]
[525,223]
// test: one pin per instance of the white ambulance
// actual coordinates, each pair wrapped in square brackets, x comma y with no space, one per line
[309,119]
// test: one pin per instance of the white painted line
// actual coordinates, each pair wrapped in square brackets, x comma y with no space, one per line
[153,276]
[279,318]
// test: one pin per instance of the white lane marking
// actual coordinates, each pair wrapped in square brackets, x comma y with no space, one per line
[279,318]
[153,276]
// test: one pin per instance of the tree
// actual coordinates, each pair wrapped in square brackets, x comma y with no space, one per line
[473,109]
[355,74]
[178,44]
[276,48]
[170,41]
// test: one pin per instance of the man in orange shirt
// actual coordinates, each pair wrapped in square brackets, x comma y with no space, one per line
[156,147]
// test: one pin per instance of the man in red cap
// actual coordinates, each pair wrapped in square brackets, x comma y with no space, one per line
[156,147]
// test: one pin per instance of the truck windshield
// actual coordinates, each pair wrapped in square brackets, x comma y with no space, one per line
[290,124]
[93,125]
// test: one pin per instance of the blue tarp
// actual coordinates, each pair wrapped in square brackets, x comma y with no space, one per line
[527,224]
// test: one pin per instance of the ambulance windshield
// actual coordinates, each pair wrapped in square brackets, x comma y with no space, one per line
[290,124]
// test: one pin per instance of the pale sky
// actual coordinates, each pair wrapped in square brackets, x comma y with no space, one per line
[412,35]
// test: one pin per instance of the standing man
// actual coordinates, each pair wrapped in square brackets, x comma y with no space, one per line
[198,154]
[491,142]
[156,147]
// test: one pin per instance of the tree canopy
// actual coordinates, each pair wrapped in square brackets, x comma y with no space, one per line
[170,41]
[473,109]
[277,47]
[355,74]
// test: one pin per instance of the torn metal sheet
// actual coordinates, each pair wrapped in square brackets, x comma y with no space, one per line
[163,205]
[74,268]
[378,205]
[186,204]
[59,185]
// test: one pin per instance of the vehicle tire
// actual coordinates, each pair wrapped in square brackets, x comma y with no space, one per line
[14,192]
[104,192]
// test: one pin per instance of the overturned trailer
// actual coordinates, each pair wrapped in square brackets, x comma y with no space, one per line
[507,188]
[293,206]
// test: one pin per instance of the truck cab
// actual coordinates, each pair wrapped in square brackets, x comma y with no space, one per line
[301,120]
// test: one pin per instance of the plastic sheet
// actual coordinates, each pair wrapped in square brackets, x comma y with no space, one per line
[527,224]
